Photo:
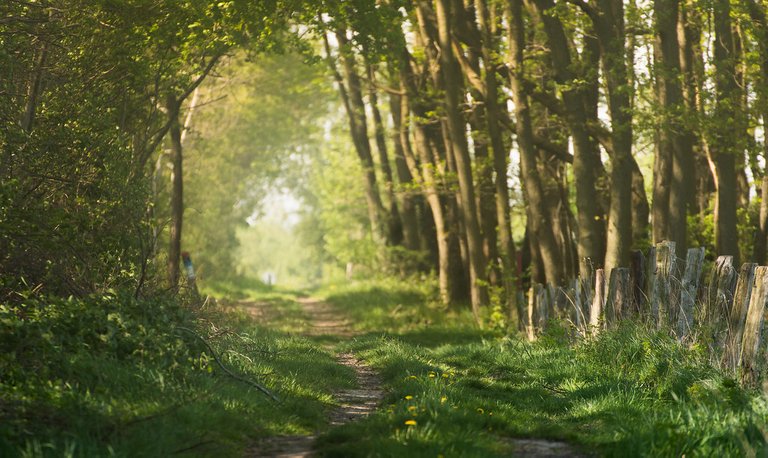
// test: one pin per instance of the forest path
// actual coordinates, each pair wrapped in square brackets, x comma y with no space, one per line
[354,404]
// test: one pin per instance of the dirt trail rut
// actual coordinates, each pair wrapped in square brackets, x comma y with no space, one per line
[354,404]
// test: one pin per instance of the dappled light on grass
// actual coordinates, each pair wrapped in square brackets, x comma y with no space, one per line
[629,392]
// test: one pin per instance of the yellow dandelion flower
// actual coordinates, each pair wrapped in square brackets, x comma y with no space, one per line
[408,398]
[432,374]
[412,377]
[443,399]
[410,422]
[411,408]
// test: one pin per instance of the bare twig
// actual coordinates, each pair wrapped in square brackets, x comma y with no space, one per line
[224,368]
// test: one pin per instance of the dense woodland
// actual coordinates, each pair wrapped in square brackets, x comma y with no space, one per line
[424,163]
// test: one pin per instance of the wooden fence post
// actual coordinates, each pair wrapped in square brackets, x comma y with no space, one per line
[650,283]
[662,288]
[542,307]
[598,302]
[722,281]
[638,276]
[619,296]
[752,354]
[688,292]
[738,317]
[530,328]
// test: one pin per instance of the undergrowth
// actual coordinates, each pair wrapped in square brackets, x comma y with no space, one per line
[111,375]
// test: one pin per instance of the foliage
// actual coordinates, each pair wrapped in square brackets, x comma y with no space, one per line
[257,128]
[110,375]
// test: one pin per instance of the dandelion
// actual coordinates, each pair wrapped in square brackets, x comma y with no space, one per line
[411,408]
[432,374]
[443,399]
[408,398]
[412,377]
[410,422]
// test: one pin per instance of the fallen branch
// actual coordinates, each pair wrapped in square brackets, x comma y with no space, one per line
[227,371]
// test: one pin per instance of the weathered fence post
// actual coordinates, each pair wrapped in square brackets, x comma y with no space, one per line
[619,296]
[542,307]
[530,328]
[638,276]
[738,316]
[662,287]
[722,281]
[688,292]
[752,353]
[598,302]
[578,307]
[650,283]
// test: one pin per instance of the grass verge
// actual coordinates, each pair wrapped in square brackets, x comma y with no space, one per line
[456,391]
[115,376]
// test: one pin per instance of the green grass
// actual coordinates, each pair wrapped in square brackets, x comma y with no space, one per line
[115,376]
[456,391]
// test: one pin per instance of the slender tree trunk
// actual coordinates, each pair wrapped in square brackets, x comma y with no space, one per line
[177,194]
[586,159]
[34,89]
[394,223]
[674,153]
[457,131]
[723,143]
[351,94]
[401,142]
[609,25]
[692,68]
[500,152]
[540,225]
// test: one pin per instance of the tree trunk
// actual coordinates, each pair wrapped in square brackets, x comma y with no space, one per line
[351,94]
[177,195]
[34,89]
[724,141]
[609,26]
[401,142]
[394,224]
[500,152]
[674,152]
[540,225]
[457,132]
[586,157]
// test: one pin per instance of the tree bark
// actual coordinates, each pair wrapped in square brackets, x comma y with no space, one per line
[401,142]
[393,221]
[177,194]
[500,152]
[608,19]
[723,143]
[541,228]
[586,158]
[351,93]
[457,132]
[674,151]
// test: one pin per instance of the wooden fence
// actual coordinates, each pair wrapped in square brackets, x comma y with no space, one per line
[725,311]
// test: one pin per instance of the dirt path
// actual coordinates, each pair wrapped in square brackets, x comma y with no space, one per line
[354,404]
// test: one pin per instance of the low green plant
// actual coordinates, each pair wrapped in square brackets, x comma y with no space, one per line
[113,375]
